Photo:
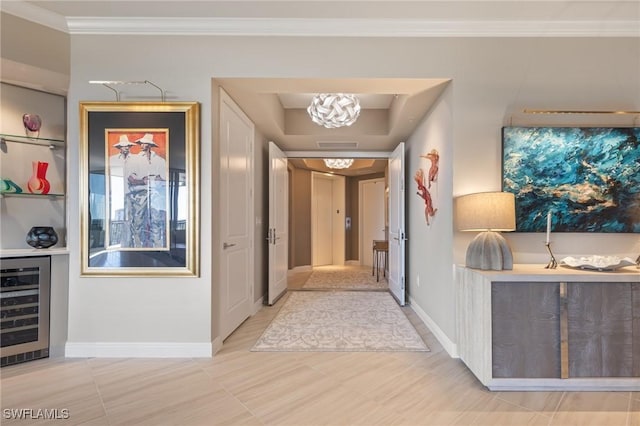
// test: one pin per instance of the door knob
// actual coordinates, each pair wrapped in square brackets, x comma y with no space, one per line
[227,245]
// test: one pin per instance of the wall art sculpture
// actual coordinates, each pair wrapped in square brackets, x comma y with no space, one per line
[424,183]
[588,176]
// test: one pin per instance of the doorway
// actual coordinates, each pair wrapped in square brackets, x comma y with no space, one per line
[327,219]
[372,217]
[311,252]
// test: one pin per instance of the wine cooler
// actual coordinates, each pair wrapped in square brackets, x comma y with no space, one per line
[24,309]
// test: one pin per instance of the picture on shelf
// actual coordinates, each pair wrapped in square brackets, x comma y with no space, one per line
[588,176]
[137,173]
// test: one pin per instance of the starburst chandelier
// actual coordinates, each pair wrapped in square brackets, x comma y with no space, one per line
[333,110]
[338,163]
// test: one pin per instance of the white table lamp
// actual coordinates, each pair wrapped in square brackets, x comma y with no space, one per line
[489,213]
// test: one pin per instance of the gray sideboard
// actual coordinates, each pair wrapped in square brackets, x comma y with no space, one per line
[537,329]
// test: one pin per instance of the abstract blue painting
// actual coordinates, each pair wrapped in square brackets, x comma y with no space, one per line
[588,177]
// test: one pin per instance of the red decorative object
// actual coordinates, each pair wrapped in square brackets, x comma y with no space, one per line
[423,192]
[38,183]
[422,181]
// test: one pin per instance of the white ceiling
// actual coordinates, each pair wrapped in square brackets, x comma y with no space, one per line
[391,107]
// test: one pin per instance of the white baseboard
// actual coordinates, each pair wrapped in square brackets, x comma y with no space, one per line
[56,351]
[352,262]
[302,268]
[137,350]
[447,344]
[216,345]
[257,306]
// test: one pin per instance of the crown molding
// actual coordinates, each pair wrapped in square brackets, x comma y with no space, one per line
[310,27]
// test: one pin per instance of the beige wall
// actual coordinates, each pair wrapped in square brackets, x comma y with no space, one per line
[39,46]
[492,80]
[33,55]
[353,211]
[301,217]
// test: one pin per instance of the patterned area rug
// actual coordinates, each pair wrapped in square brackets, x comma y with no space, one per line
[341,278]
[335,321]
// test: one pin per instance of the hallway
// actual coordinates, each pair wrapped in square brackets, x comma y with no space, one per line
[352,274]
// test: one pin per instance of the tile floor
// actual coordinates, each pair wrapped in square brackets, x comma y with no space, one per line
[239,387]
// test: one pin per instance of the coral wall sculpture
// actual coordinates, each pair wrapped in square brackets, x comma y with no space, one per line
[424,183]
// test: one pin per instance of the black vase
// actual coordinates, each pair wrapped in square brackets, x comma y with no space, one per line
[42,237]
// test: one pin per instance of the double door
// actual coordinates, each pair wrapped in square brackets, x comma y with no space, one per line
[278,224]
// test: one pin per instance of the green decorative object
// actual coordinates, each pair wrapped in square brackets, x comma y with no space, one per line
[7,186]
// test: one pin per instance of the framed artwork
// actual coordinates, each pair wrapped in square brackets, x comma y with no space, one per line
[587,177]
[140,186]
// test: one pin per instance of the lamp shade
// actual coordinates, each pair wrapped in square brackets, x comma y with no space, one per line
[333,110]
[485,211]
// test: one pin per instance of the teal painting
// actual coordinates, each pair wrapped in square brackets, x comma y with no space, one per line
[588,177]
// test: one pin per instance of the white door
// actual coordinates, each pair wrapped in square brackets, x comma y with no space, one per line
[236,186]
[322,221]
[278,234]
[371,217]
[396,224]
[339,232]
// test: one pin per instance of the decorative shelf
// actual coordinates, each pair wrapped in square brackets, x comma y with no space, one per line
[28,252]
[51,143]
[29,195]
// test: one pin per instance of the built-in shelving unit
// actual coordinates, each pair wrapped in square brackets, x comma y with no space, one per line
[52,144]
[20,211]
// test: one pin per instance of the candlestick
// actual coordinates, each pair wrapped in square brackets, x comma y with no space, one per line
[553,264]
[548,227]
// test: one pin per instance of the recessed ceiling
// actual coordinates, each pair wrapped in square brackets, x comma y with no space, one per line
[391,110]
[360,166]
[367,100]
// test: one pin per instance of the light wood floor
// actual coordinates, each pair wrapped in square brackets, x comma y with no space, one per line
[239,387]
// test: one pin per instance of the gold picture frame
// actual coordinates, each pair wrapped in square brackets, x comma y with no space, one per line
[140,188]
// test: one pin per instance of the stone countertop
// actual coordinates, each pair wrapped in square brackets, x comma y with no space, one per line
[28,252]
[538,273]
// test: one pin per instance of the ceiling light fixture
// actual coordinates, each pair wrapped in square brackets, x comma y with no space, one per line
[333,110]
[338,163]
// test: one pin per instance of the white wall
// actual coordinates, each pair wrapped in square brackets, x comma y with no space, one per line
[430,246]
[492,78]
